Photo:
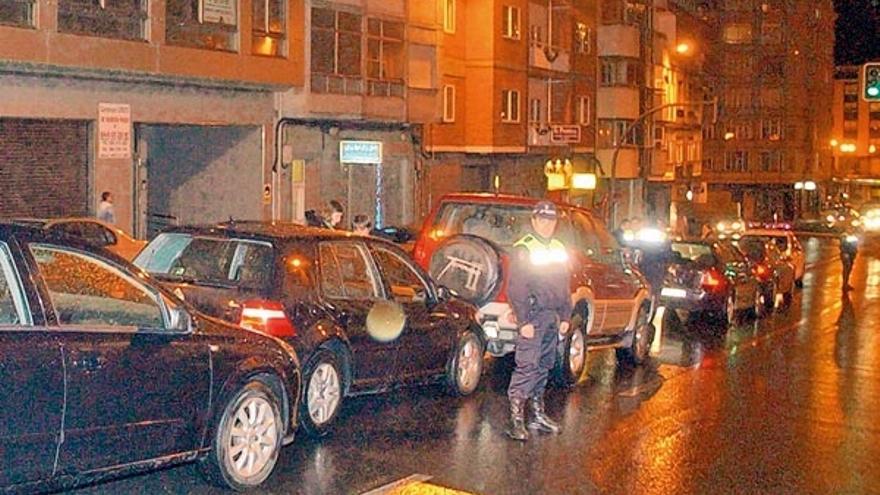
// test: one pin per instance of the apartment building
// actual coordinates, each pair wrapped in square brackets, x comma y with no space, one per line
[168,104]
[855,139]
[517,88]
[771,67]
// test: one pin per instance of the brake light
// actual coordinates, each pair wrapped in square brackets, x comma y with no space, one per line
[762,271]
[711,280]
[267,317]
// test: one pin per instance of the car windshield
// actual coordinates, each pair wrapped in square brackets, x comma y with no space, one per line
[501,224]
[195,259]
[691,252]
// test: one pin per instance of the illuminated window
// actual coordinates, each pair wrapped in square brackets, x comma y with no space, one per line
[449,16]
[117,19]
[584,110]
[269,19]
[736,33]
[510,28]
[510,106]
[535,112]
[449,103]
[190,23]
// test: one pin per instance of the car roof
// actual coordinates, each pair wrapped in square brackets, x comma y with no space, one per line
[504,199]
[268,231]
[767,232]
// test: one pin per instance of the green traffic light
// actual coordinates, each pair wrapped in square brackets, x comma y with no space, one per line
[873,91]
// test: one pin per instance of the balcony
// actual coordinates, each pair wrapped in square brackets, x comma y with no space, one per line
[627,162]
[544,56]
[617,102]
[618,40]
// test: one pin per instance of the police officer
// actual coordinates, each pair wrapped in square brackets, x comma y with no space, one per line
[539,292]
[849,249]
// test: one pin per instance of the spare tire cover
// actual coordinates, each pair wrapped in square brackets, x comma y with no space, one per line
[470,266]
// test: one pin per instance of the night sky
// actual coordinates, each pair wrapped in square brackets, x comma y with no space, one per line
[858,31]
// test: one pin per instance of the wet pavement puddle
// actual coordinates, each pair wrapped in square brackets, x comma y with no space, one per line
[417,484]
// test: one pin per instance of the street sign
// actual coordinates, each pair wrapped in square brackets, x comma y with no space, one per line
[565,134]
[360,152]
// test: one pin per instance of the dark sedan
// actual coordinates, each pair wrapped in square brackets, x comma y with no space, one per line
[710,277]
[103,372]
[360,314]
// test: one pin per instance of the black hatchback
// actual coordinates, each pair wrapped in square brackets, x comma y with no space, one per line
[103,371]
[361,315]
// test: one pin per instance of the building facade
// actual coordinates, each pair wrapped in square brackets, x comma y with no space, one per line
[855,138]
[771,67]
[169,105]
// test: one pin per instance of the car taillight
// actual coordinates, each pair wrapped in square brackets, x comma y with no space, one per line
[711,280]
[267,317]
[762,272]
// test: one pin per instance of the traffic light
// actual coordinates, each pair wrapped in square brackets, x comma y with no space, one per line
[871,82]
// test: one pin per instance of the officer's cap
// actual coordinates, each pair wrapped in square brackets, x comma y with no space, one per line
[545,209]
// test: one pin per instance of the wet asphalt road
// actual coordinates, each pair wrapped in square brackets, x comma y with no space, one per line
[785,405]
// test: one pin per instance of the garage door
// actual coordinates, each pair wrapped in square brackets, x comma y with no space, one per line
[44,166]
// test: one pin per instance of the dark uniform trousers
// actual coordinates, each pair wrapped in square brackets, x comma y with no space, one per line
[535,358]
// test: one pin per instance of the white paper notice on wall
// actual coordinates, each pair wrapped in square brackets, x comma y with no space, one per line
[114,130]
[218,12]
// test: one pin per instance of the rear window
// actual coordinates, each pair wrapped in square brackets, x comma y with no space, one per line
[501,224]
[198,259]
[691,252]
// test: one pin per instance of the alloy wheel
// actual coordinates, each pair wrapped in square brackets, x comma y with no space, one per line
[253,438]
[323,393]
[469,365]
[576,353]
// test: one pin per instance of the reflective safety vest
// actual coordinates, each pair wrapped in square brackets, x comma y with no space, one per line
[543,253]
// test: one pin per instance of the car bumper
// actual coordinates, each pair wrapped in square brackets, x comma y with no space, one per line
[690,300]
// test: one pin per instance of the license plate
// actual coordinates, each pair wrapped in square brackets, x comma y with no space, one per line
[676,293]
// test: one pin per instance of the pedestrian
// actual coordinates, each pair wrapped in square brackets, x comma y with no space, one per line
[849,249]
[538,291]
[361,225]
[620,232]
[106,210]
[329,218]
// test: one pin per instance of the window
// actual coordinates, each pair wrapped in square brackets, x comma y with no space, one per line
[87,291]
[771,129]
[448,103]
[535,106]
[738,33]
[771,97]
[18,13]
[736,161]
[612,131]
[583,39]
[13,306]
[385,57]
[584,110]
[771,161]
[346,273]
[510,106]
[621,72]
[224,262]
[118,19]
[92,233]
[188,24]
[269,19]
[406,285]
[510,26]
[771,33]
[738,65]
[449,16]
[336,52]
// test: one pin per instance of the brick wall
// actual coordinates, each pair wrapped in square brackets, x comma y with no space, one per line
[44,167]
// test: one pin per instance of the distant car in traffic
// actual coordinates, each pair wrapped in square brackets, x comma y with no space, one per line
[335,297]
[103,372]
[713,278]
[465,245]
[93,231]
[775,273]
[789,246]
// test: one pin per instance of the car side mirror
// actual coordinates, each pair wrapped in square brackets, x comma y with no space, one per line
[179,319]
[443,293]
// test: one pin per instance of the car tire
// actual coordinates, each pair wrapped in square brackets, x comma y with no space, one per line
[465,368]
[572,357]
[478,277]
[259,446]
[323,393]
[638,352]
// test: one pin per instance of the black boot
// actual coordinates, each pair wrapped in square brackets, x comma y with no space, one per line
[540,421]
[517,429]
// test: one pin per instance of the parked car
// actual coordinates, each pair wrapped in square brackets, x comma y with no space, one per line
[465,246]
[711,277]
[91,230]
[775,274]
[104,372]
[788,244]
[320,290]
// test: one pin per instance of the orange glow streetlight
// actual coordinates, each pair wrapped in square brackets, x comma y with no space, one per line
[683,48]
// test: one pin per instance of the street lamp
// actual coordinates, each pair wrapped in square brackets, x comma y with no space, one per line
[809,186]
[683,48]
